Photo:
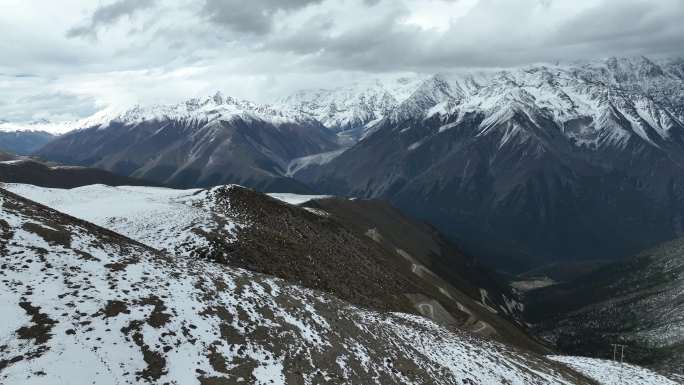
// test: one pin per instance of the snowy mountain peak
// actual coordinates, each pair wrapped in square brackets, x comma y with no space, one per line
[218,97]
[201,109]
[615,99]
[352,109]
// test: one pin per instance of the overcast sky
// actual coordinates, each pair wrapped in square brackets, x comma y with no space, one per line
[69,58]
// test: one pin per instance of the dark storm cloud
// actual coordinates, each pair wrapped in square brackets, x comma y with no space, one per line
[107,15]
[255,16]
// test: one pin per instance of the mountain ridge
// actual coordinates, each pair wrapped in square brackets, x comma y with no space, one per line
[316,248]
[99,306]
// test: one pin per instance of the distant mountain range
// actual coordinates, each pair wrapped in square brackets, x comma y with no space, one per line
[24,142]
[351,111]
[202,142]
[522,166]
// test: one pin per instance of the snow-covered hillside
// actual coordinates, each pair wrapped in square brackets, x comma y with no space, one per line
[607,372]
[177,221]
[82,304]
[239,227]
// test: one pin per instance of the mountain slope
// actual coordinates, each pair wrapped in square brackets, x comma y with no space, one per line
[532,165]
[239,227]
[83,304]
[8,156]
[199,143]
[23,142]
[427,255]
[615,373]
[639,302]
[27,170]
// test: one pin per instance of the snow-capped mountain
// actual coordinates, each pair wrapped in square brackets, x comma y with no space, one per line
[199,109]
[352,110]
[204,109]
[42,125]
[532,164]
[200,142]
[608,372]
[648,95]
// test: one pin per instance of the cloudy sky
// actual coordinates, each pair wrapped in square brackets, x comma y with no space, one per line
[69,58]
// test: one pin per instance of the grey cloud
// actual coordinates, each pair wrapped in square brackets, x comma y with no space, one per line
[631,19]
[49,105]
[496,33]
[191,47]
[108,15]
[630,27]
[254,16]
